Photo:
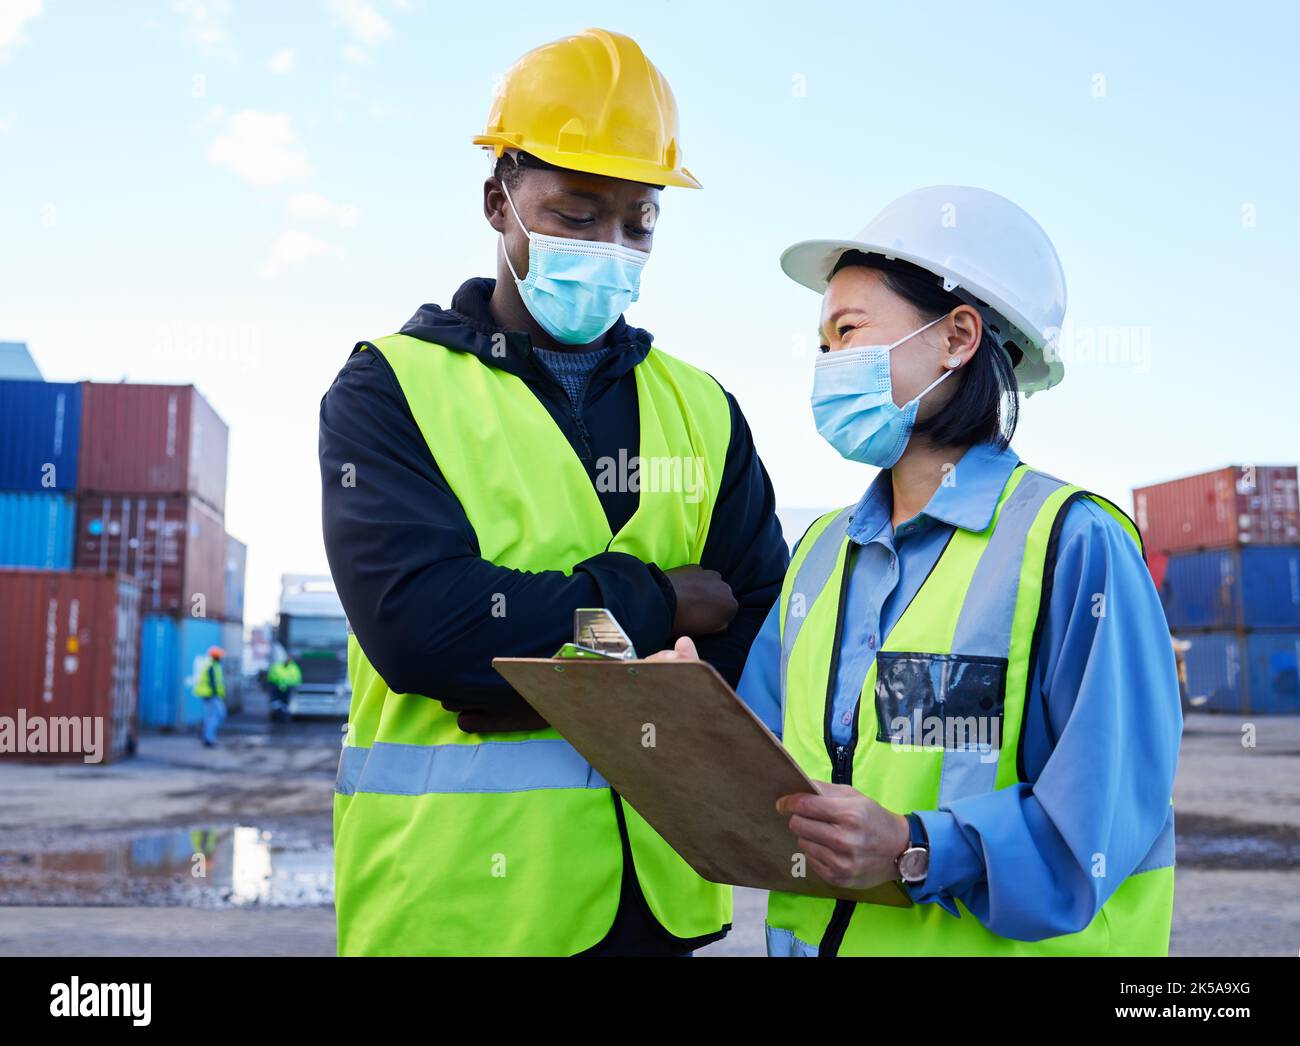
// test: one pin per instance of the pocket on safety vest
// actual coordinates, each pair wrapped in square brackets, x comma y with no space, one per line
[952,701]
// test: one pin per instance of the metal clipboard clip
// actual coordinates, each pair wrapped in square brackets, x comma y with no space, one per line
[596,634]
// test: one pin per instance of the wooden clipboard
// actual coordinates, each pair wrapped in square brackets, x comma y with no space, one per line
[676,742]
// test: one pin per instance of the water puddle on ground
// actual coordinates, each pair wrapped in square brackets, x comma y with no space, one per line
[215,867]
[1225,843]
[275,866]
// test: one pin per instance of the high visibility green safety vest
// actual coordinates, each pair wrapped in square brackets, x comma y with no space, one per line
[284,675]
[448,843]
[204,679]
[939,719]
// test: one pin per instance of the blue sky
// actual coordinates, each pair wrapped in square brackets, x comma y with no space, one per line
[232,194]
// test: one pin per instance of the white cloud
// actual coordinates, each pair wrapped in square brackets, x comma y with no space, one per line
[353,53]
[6,122]
[211,121]
[361,20]
[261,148]
[14,15]
[292,248]
[205,20]
[281,62]
[312,205]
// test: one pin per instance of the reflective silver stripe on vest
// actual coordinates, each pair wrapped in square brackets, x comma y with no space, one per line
[983,624]
[492,766]
[985,620]
[814,573]
[783,944]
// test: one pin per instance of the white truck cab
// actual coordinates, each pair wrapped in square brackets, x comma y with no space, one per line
[314,631]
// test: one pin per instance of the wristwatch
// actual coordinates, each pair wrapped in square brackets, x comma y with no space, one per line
[913,864]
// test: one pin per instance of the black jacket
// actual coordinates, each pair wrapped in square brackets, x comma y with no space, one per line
[406,560]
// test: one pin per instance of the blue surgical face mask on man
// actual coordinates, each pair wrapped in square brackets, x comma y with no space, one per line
[853,403]
[576,289]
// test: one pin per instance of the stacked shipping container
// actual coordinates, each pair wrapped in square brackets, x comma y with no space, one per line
[37,529]
[1247,587]
[232,628]
[172,647]
[40,424]
[176,546]
[68,643]
[1237,505]
[153,482]
[1225,553]
[162,440]
[232,642]
[128,484]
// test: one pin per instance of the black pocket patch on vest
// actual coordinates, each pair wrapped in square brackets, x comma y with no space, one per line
[949,700]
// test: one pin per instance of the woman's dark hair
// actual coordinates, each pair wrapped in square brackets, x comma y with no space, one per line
[985,407]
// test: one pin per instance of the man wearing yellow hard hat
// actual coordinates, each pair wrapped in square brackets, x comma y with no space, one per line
[490,469]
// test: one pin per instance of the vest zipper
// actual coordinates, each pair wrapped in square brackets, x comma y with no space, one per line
[841,760]
[576,410]
[842,755]
[584,451]
[583,434]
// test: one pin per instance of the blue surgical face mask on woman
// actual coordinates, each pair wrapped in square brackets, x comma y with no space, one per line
[853,403]
[576,289]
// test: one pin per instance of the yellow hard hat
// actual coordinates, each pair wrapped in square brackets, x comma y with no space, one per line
[591,102]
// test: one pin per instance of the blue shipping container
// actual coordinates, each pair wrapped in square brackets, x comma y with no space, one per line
[1249,587]
[40,429]
[1271,672]
[1215,671]
[162,851]
[170,649]
[37,529]
[1244,673]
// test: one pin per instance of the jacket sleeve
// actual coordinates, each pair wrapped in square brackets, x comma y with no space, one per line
[760,683]
[1039,859]
[745,545]
[427,609]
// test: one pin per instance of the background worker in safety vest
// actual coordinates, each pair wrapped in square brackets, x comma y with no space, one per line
[281,678]
[495,448]
[973,658]
[210,686]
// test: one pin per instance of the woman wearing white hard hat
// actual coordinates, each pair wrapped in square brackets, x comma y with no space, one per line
[972,658]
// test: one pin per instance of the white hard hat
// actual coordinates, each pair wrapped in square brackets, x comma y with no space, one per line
[986,250]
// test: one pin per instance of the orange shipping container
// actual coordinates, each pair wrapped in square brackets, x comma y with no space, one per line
[175,548]
[152,439]
[69,641]
[1240,504]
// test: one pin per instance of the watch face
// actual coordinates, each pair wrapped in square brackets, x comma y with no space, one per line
[914,864]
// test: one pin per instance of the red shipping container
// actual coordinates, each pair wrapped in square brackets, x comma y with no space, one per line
[69,641]
[152,439]
[1157,563]
[175,548]
[1240,504]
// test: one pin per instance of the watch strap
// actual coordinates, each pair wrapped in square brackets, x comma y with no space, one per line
[917,840]
[916,832]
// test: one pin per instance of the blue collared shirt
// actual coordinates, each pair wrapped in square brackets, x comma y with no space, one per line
[1103,718]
